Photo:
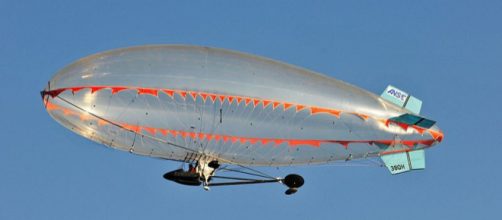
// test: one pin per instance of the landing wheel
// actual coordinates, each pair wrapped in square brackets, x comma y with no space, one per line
[293,182]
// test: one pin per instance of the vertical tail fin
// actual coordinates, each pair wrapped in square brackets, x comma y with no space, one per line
[403,162]
[402,99]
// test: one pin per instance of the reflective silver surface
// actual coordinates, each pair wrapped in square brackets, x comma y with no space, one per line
[136,112]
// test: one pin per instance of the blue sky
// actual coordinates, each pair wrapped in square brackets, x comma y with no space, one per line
[448,53]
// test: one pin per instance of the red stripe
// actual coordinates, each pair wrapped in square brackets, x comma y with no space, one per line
[153,92]
[437,135]
[314,110]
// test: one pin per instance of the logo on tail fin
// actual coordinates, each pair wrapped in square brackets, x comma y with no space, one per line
[398,94]
[402,99]
[395,95]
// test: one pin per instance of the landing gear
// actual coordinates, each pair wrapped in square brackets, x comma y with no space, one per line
[211,167]
[203,173]
[206,171]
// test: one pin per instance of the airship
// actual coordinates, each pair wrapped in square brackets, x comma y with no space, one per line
[221,111]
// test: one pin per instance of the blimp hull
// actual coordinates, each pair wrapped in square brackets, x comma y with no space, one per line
[187,102]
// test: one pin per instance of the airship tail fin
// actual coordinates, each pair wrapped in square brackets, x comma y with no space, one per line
[404,162]
[402,99]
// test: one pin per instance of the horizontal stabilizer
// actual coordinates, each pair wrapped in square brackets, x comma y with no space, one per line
[403,162]
[402,99]
[410,119]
